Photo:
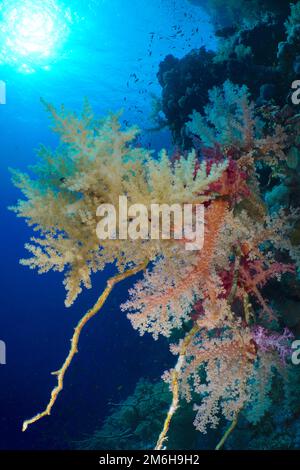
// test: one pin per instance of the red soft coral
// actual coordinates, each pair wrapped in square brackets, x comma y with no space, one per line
[254,275]
[232,184]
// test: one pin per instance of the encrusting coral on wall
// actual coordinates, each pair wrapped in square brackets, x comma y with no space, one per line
[232,339]
[135,422]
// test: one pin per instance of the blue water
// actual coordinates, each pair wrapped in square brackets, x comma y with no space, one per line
[108,41]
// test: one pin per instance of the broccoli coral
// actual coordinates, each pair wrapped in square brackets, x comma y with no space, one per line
[215,295]
[97,163]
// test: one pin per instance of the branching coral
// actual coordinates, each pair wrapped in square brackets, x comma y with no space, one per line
[96,163]
[225,361]
[214,299]
[230,121]
[60,374]
[164,299]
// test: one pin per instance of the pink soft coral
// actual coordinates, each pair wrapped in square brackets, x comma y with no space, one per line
[164,299]
[273,341]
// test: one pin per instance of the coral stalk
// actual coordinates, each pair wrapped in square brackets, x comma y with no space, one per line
[236,272]
[178,368]
[175,387]
[231,428]
[227,434]
[75,340]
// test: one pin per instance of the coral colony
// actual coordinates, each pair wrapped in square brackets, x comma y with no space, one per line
[232,340]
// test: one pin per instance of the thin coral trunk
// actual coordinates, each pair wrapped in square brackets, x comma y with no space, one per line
[75,340]
[175,387]
[177,370]
[227,434]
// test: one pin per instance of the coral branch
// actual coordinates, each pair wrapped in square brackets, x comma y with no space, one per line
[236,272]
[175,387]
[178,368]
[75,340]
[227,434]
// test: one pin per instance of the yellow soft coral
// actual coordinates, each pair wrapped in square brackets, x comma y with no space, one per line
[96,163]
